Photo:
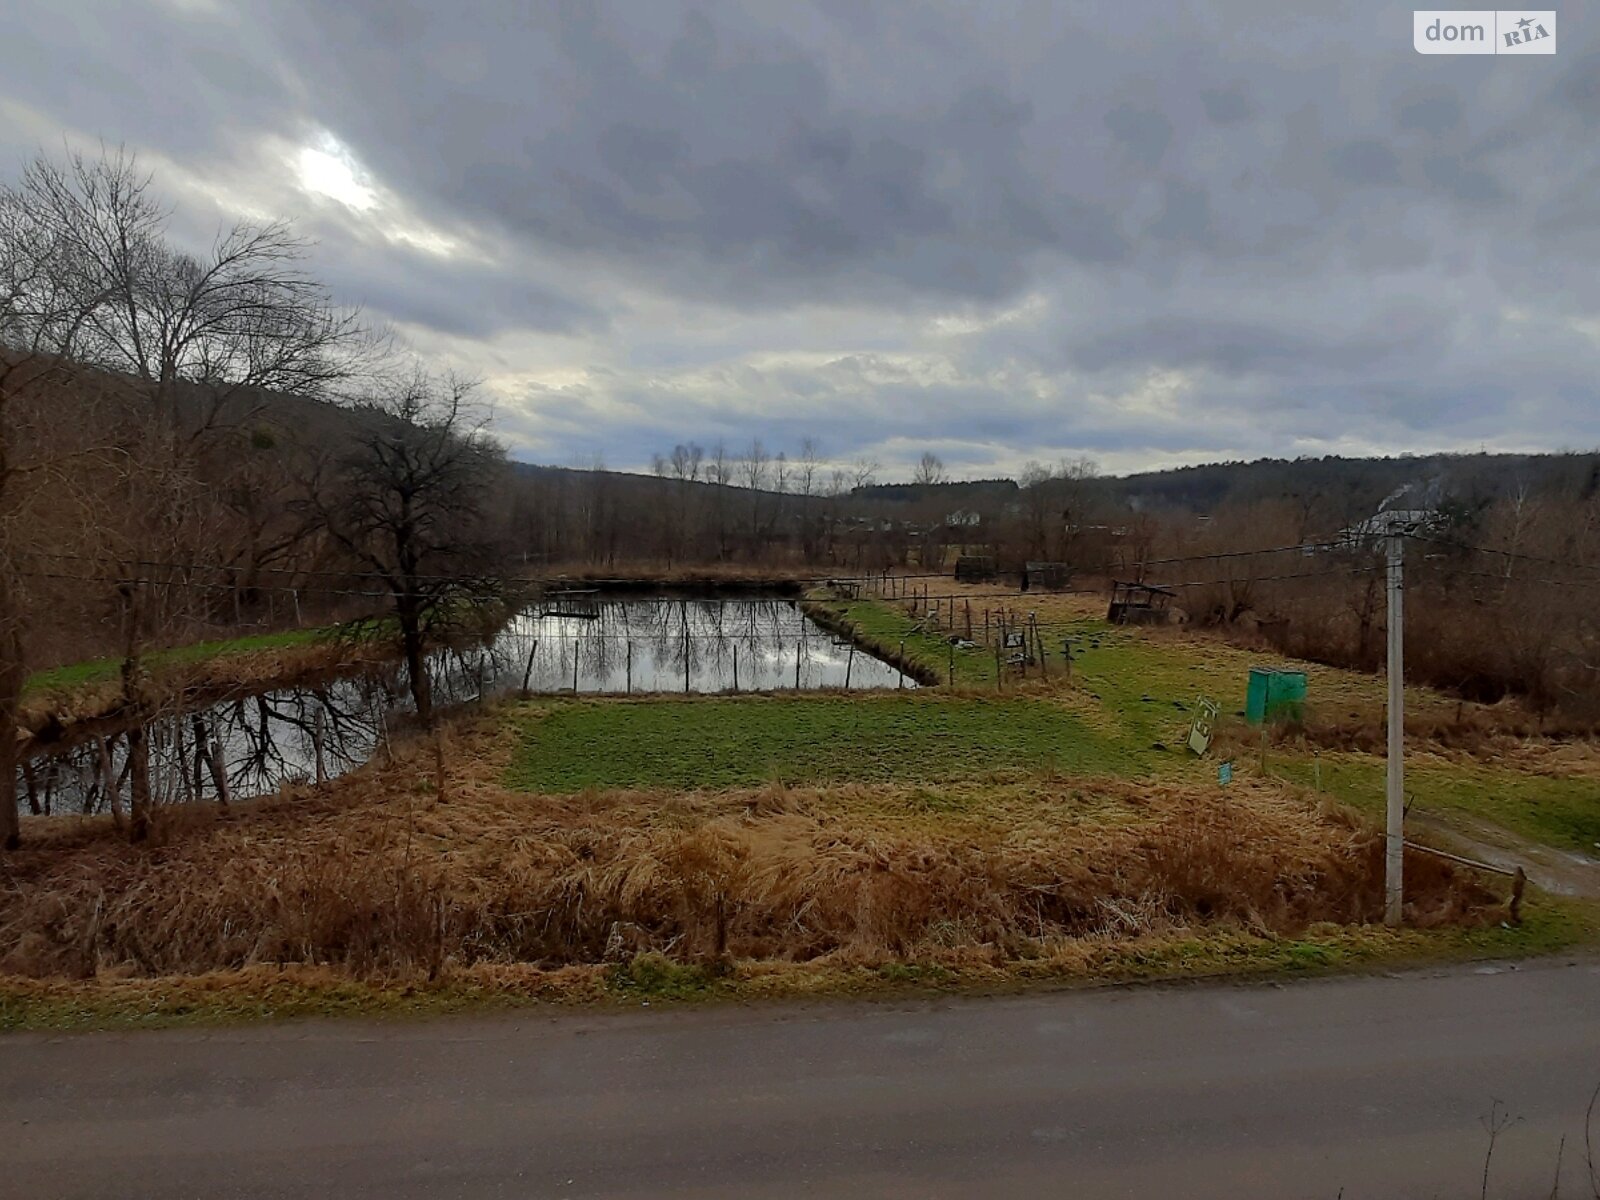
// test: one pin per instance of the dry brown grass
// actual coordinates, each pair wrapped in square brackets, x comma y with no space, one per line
[374,874]
[1456,729]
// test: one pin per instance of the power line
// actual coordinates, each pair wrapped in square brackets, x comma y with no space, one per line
[1512,554]
[1300,547]
[1523,579]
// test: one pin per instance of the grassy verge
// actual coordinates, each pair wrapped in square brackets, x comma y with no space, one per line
[893,635]
[1560,811]
[270,993]
[102,670]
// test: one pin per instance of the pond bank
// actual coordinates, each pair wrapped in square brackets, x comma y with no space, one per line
[241,724]
[70,705]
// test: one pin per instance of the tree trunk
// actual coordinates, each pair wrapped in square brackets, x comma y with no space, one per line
[10,821]
[32,786]
[11,679]
[133,689]
[139,781]
[416,664]
[219,768]
[109,781]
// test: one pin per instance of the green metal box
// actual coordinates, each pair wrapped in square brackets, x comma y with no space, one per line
[1274,695]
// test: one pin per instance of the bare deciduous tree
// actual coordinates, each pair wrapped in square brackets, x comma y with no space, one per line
[930,469]
[43,310]
[243,319]
[407,503]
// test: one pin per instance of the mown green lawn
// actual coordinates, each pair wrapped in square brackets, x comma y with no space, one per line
[746,741]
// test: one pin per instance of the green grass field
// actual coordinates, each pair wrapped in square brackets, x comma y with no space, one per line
[884,629]
[974,766]
[747,741]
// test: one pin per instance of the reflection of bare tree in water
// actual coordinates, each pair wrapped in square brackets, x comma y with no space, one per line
[696,638]
[253,745]
[681,645]
[314,734]
[245,747]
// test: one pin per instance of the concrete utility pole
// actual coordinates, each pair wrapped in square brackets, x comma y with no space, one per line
[1394,844]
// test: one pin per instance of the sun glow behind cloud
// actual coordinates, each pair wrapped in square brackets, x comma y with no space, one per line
[326,168]
[329,169]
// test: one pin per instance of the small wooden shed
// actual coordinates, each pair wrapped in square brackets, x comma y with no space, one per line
[975,568]
[1139,603]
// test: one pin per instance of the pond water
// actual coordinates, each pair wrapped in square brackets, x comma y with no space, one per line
[581,642]
[589,644]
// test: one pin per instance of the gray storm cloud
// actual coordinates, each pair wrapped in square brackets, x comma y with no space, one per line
[1020,231]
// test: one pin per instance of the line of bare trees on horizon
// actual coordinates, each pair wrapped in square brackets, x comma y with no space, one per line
[1488,622]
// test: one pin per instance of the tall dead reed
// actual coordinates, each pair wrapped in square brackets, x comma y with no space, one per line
[373,874]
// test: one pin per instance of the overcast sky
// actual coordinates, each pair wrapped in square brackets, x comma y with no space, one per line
[1148,233]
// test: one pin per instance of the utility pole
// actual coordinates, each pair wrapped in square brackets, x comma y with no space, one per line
[1394,842]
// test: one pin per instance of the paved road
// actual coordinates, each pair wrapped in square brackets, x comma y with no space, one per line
[1375,1086]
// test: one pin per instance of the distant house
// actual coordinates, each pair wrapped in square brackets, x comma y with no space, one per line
[963,518]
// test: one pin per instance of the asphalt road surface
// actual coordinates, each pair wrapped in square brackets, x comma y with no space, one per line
[1369,1087]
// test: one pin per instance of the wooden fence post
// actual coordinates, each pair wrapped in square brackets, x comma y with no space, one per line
[527,673]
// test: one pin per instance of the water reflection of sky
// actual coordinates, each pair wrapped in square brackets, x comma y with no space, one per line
[611,645]
[654,645]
